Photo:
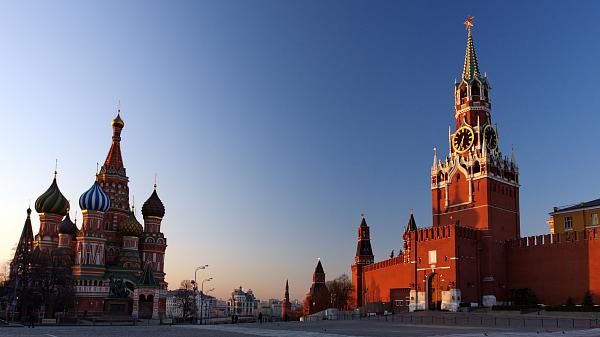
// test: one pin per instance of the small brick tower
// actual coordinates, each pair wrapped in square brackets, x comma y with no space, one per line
[318,298]
[364,256]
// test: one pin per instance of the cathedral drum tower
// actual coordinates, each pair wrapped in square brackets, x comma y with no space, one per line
[475,185]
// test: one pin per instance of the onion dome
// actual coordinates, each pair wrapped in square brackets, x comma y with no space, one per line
[52,201]
[153,206]
[94,199]
[130,226]
[67,226]
[118,122]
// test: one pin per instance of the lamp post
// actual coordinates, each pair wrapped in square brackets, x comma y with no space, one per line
[196,282]
[208,309]
[202,295]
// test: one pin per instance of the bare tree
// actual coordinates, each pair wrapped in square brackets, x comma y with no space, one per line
[340,289]
[185,299]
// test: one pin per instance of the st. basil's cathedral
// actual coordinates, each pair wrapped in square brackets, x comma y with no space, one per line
[116,264]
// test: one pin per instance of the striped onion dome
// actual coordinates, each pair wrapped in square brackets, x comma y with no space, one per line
[94,199]
[130,226]
[67,226]
[52,201]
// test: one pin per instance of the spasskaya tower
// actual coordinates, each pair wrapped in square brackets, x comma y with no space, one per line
[476,185]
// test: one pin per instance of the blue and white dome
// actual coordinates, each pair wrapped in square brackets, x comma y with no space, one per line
[94,199]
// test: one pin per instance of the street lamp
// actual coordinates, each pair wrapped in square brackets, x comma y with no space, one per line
[202,295]
[196,282]
[208,309]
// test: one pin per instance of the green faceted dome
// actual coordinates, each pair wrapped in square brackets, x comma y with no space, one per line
[130,226]
[52,201]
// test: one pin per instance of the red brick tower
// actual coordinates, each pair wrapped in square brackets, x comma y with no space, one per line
[153,242]
[364,256]
[152,246]
[114,182]
[318,298]
[475,185]
[286,305]
[90,262]
[51,206]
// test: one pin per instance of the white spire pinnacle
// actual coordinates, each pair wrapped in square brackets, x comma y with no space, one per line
[449,139]
[512,157]
[479,132]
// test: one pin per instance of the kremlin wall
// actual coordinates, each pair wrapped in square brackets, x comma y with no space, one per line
[474,254]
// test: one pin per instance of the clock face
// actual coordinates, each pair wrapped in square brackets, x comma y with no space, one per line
[463,139]
[491,137]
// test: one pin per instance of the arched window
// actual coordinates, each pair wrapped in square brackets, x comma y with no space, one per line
[476,167]
[463,92]
[475,89]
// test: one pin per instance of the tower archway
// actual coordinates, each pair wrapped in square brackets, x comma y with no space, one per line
[434,292]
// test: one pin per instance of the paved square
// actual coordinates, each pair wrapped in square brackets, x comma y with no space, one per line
[356,328]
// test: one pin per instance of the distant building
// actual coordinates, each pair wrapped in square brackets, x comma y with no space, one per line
[270,309]
[207,306]
[575,217]
[219,308]
[242,303]
[174,309]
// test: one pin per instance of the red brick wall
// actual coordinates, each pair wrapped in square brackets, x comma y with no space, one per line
[558,270]
[378,282]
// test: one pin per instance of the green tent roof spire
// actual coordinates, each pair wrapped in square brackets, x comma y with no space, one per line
[471,68]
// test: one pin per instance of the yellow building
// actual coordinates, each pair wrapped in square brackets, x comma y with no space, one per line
[575,217]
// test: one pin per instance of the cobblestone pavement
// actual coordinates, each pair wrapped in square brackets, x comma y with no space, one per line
[290,329]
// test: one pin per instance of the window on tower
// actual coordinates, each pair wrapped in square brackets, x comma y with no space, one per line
[475,89]
[476,167]
[463,93]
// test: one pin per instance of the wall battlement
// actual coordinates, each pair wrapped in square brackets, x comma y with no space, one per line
[428,234]
[553,239]
[386,263]
[446,231]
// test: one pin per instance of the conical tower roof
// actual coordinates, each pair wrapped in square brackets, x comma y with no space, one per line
[412,224]
[24,247]
[319,268]
[471,67]
[147,279]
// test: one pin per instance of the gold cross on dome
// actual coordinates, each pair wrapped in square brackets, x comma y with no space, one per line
[469,22]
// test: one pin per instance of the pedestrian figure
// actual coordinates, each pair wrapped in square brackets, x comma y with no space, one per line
[31,319]
[260,318]
[232,319]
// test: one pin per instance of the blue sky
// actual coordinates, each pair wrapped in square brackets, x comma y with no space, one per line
[273,124]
